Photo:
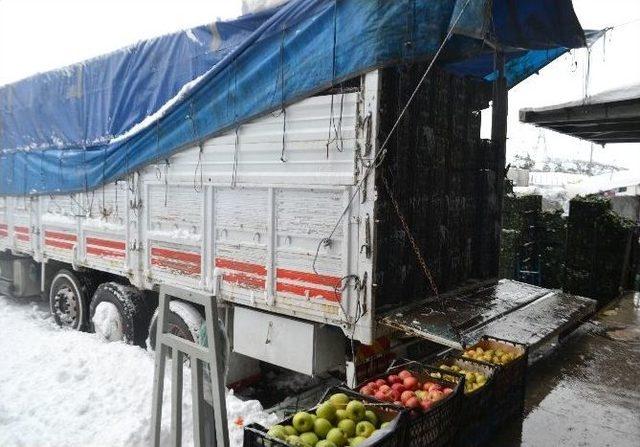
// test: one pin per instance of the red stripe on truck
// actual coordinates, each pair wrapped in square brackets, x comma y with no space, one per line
[58,244]
[60,235]
[4,226]
[240,266]
[329,295]
[22,230]
[107,243]
[4,233]
[185,256]
[244,280]
[23,237]
[330,281]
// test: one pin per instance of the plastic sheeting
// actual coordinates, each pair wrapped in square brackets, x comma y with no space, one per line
[77,128]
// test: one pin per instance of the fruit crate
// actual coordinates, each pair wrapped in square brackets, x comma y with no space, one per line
[510,379]
[437,426]
[475,425]
[255,435]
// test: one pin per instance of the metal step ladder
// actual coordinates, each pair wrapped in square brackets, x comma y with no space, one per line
[204,433]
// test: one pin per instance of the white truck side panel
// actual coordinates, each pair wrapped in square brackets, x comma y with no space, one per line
[4,224]
[253,208]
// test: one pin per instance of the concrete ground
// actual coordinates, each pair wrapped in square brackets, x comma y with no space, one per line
[587,392]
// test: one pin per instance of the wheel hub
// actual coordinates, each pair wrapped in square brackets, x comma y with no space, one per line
[66,306]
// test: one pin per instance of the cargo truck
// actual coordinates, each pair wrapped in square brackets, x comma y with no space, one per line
[294,217]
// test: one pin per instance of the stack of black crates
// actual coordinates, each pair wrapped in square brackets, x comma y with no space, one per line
[445,179]
[599,247]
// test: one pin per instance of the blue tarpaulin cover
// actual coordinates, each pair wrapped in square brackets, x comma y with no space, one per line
[76,128]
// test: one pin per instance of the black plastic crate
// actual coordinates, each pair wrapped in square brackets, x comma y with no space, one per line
[436,427]
[510,380]
[476,407]
[255,435]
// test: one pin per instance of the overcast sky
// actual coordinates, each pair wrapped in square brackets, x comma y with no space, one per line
[39,35]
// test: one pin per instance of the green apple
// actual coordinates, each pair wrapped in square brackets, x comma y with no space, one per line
[339,400]
[371,417]
[295,441]
[384,424]
[309,438]
[303,422]
[348,427]
[321,427]
[313,416]
[325,443]
[355,410]
[326,411]
[336,436]
[364,429]
[290,430]
[356,441]
[341,414]
[278,432]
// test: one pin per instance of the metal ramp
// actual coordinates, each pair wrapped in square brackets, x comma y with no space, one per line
[506,309]
[216,434]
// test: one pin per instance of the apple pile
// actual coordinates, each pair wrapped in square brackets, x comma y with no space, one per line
[404,389]
[338,422]
[472,379]
[497,356]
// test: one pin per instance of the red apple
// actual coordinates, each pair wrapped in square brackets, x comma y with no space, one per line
[385,388]
[380,382]
[367,391]
[404,374]
[394,379]
[407,395]
[380,395]
[437,395]
[412,403]
[410,383]
[426,404]
[398,387]
[372,385]
[396,394]
[447,391]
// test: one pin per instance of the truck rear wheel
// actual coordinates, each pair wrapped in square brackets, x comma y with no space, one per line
[183,320]
[68,299]
[119,313]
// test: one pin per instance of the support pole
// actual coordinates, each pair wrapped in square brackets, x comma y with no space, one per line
[499,138]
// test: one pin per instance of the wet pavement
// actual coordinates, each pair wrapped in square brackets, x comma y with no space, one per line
[587,392]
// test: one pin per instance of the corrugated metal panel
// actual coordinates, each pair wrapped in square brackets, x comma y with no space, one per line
[254,154]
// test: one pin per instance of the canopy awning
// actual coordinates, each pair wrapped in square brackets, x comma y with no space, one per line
[609,117]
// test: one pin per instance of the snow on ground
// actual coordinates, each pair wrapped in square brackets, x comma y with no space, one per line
[65,388]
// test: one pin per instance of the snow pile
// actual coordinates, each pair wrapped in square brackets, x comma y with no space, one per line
[107,322]
[62,388]
[553,197]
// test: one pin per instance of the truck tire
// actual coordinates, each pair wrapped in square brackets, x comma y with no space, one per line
[183,320]
[69,295]
[120,312]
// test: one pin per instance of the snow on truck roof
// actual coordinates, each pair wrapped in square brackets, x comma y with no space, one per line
[77,128]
